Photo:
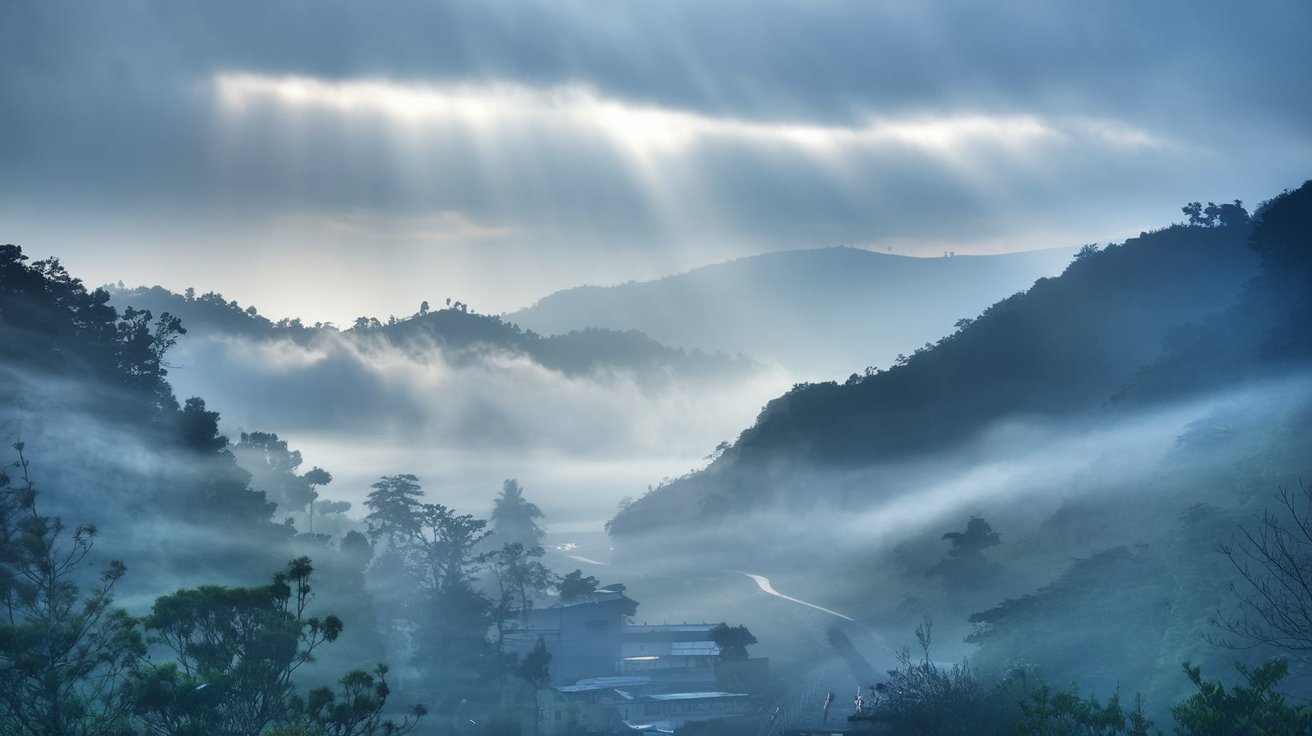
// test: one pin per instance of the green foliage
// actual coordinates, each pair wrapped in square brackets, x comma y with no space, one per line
[64,652]
[463,335]
[921,697]
[356,709]
[1280,238]
[430,556]
[1214,215]
[576,585]
[216,488]
[978,537]
[1106,598]
[51,323]
[965,564]
[1249,709]
[519,576]
[1065,713]
[393,506]
[732,641]
[1085,251]
[535,667]
[514,518]
[1065,346]
[274,467]
[235,651]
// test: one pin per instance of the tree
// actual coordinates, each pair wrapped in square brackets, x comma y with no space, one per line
[49,321]
[519,574]
[978,537]
[1227,215]
[323,508]
[535,667]
[65,654]
[235,651]
[923,698]
[1216,215]
[575,585]
[217,488]
[514,519]
[273,469]
[447,543]
[434,553]
[1086,251]
[732,641]
[1274,562]
[1250,709]
[355,710]
[965,562]
[393,505]
[1044,712]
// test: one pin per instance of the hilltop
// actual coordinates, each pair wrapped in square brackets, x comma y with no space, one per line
[1116,322]
[821,313]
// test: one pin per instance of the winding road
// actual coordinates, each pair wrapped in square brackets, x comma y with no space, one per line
[761,581]
[764,584]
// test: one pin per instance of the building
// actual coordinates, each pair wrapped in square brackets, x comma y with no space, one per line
[675,649]
[611,676]
[618,704]
[583,635]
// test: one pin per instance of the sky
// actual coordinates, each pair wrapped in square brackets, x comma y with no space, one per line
[331,159]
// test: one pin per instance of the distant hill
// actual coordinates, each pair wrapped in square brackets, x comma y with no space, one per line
[1115,328]
[1118,425]
[463,336]
[822,313]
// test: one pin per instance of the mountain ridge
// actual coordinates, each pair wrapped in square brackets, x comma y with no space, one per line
[797,306]
[1067,346]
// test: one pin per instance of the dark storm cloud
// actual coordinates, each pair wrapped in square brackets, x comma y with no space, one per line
[785,60]
[802,124]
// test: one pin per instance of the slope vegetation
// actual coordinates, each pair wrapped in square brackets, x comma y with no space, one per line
[820,313]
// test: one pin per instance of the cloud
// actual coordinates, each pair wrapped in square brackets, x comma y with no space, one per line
[426,229]
[363,409]
[646,130]
[574,166]
[627,140]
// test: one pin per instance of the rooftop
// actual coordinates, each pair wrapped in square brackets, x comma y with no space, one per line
[600,596]
[604,683]
[710,695]
[667,628]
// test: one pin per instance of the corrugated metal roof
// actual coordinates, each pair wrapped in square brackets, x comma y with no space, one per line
[694,649]
[664,628]
[709,695]
[695,696]
[600,596]
[604,683]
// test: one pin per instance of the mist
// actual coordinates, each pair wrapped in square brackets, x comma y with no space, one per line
[1017,515]
[367,408]
[675,369]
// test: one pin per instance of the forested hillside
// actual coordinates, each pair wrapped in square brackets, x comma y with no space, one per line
[820,313]
[157,576]
[1125,447]
[1085,486]
[1067,345]
[463,335]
